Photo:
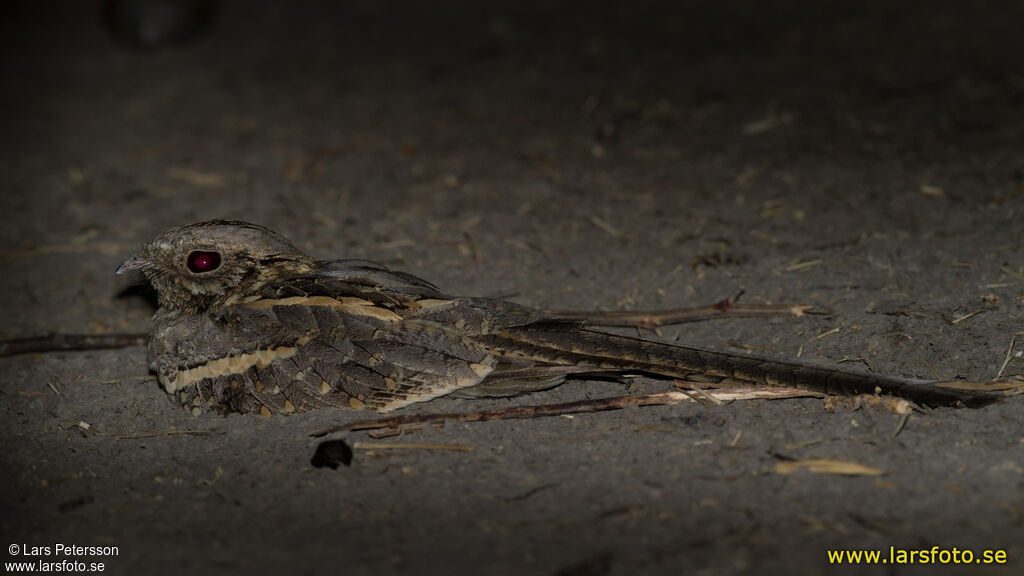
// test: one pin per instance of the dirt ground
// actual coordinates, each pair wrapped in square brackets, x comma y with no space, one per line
[865,158]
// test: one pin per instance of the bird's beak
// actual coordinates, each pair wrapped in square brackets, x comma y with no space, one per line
[133,263]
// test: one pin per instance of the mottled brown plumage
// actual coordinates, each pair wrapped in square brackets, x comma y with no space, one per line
[249,323]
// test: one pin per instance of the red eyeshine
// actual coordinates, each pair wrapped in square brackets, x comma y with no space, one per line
[203,261]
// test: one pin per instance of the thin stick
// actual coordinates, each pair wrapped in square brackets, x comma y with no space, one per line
[405,422]
[650,318]
[58,342]
[1006,360]
[410,446]
[514,412]
[164,433]
[638,319]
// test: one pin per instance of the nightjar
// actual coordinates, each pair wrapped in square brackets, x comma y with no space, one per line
[247,322]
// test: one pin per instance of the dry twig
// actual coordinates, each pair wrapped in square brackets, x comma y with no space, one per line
[640,319]
[397,424]
[66,342]
[651,318]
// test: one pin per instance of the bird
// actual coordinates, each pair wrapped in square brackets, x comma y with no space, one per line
[247,322]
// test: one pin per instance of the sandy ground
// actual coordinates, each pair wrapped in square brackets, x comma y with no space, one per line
[861,159]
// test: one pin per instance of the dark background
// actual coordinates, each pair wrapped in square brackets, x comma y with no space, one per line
[864,157]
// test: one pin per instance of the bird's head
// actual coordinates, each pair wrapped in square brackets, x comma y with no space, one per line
[211,264]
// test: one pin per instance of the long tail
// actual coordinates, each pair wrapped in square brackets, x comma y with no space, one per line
[564,343]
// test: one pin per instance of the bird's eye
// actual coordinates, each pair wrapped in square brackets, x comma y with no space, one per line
[200,261]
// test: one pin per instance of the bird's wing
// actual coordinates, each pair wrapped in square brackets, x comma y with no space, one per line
[371,280]
[301,352]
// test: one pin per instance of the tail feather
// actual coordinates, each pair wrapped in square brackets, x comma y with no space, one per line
[565,344]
